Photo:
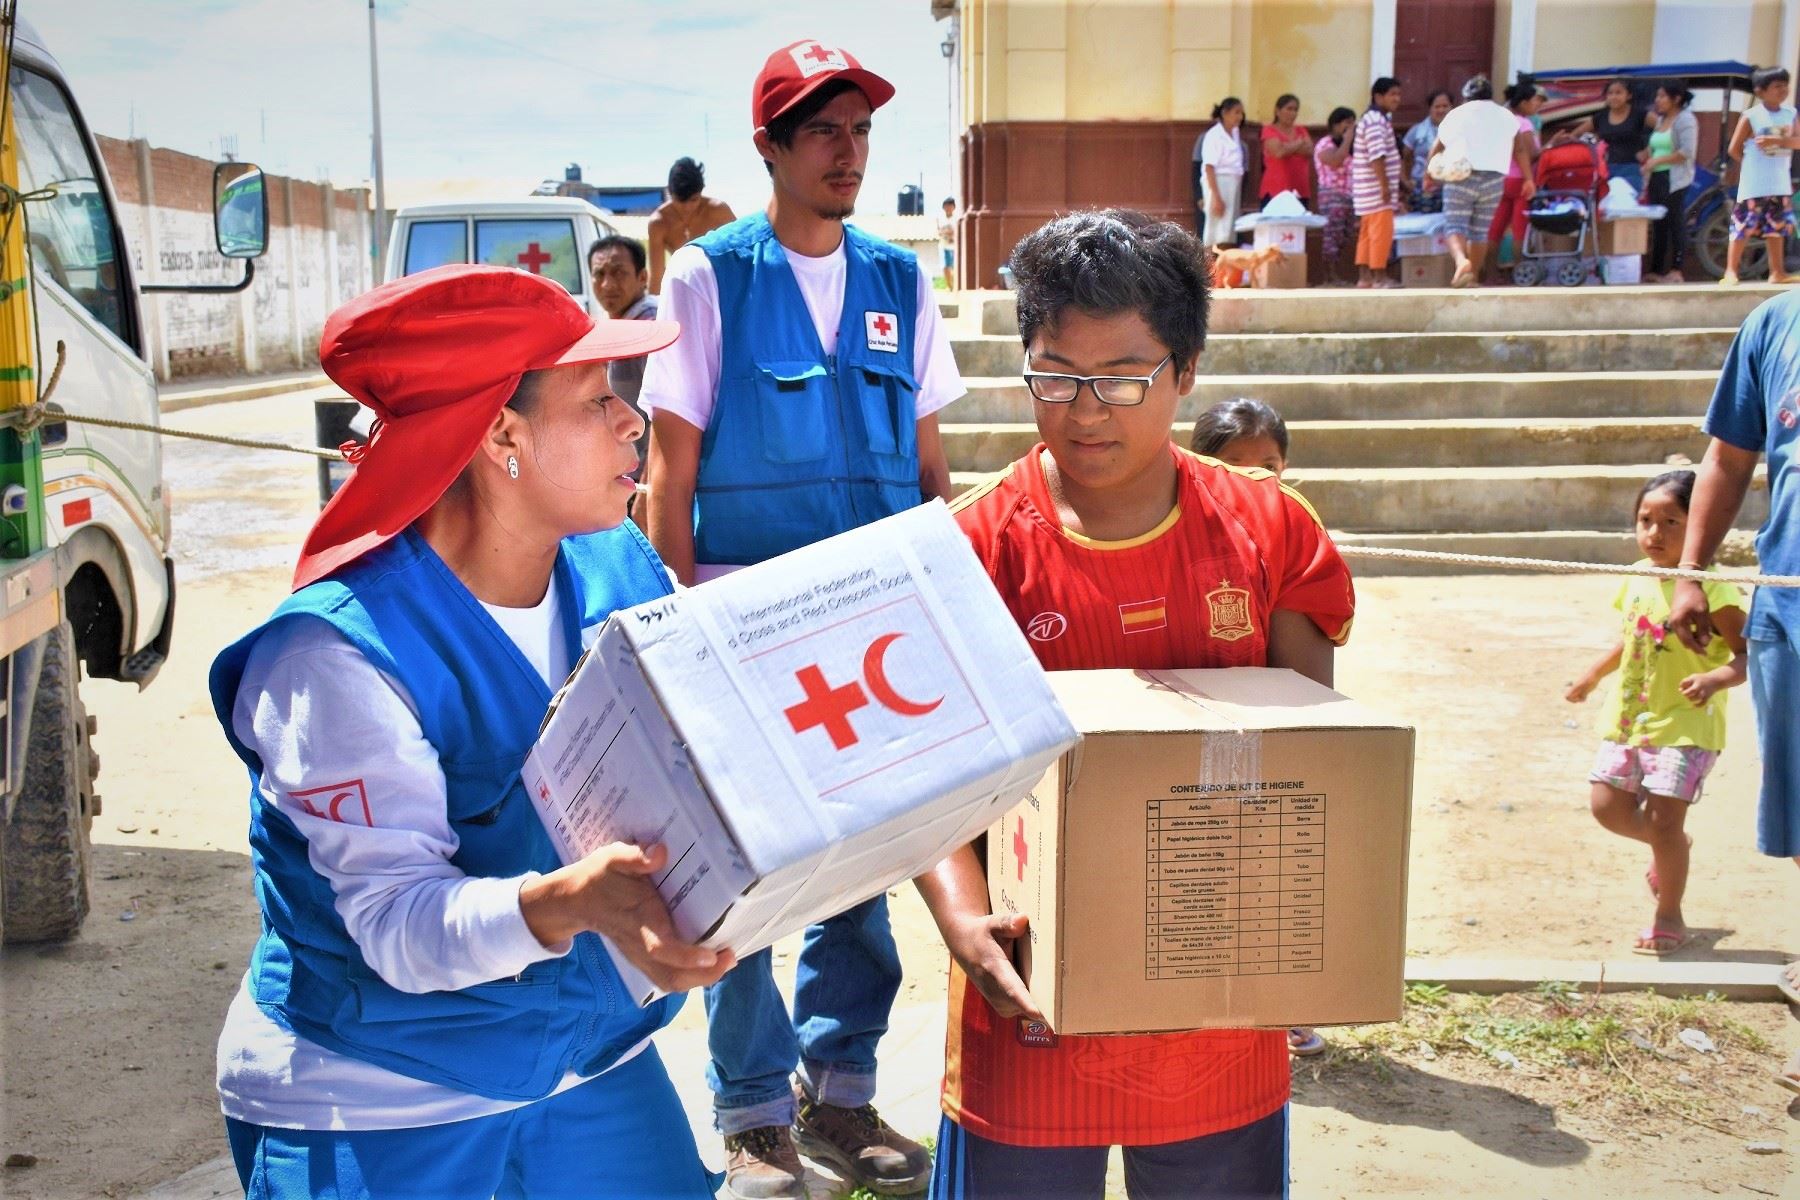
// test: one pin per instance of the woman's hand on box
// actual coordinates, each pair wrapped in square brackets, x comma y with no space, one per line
[611,892]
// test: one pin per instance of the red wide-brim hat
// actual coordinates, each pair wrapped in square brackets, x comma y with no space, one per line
[436,356]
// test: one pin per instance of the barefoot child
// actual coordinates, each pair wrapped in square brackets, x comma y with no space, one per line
[1666,725]
[1106,514]
[1763,145]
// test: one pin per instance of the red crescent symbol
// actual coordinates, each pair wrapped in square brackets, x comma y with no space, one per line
[875,671]
[337,802]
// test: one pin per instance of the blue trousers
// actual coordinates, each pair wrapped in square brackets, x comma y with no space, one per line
[844,989]
[622,1135]
[1246,1163]
[1775,690]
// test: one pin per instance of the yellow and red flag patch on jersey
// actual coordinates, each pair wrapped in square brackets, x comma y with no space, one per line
[1144,615]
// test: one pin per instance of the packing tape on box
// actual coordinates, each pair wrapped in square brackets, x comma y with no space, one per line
[1228,756]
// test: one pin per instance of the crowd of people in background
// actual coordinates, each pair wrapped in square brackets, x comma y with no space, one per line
[1364,172]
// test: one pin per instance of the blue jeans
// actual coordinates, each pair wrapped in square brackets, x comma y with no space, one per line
[1774,678]
[844,989]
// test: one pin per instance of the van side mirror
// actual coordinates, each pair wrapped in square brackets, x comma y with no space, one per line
[240,210]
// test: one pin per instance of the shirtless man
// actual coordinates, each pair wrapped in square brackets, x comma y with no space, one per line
[684,216]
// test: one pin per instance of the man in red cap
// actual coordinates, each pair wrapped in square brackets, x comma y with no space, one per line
[430,1010]
[800,403]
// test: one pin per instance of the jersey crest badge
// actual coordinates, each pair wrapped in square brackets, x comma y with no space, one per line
[1228,612]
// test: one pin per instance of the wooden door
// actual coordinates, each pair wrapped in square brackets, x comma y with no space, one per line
[1439,44]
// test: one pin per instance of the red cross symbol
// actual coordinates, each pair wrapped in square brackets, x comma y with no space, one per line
[827,706]
[883,326]
[818,54]
[533,258]
[1021,849]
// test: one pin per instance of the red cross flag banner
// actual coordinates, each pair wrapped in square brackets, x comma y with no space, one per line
[802,734]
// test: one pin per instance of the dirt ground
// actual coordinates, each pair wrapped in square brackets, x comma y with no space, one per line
[107,1042]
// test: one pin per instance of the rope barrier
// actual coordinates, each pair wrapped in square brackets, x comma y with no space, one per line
[1550,566]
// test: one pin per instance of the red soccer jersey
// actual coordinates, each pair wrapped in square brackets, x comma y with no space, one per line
[1196,591]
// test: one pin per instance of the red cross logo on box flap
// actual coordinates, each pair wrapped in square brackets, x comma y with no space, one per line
[534,258]
[883,330]
[1021,848]
[813,58]
[829,707]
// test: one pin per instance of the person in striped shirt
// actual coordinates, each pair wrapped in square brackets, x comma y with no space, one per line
[1376,183]
[1114,548]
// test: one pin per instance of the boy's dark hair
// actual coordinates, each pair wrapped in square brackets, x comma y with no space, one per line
[687,179]
[1679,484]
[631,246]
[1239,417]
[1382,87]
[1111,262]
[1762,77]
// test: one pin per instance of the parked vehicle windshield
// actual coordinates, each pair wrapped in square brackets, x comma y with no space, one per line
[541,245]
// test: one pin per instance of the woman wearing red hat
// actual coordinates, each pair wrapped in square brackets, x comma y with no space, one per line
[430,1010]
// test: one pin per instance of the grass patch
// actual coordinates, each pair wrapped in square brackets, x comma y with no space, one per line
[1617,1051]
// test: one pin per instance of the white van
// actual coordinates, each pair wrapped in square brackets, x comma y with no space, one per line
[546,235]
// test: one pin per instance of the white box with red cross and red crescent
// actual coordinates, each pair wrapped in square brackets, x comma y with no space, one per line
[802,734]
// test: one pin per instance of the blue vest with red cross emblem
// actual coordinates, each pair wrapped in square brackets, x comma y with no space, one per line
[479,703]
[802,444]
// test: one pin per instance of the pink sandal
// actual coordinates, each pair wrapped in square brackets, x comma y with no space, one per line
[1660,943]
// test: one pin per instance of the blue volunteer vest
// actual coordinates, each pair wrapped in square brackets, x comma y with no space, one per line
[803,445]
[479,702]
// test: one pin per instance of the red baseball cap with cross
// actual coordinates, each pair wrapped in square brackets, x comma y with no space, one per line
[795,72]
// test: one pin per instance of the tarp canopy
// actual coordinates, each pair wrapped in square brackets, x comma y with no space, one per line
[1723,73]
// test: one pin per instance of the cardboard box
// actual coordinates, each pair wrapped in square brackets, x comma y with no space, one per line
[1622,268]
[1224,849]
[1627,235]
[1422,245]
[802,734]
[1290,272]
[1288,236]
[1430,271]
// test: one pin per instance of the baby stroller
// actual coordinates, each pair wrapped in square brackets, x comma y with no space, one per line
[1570,179]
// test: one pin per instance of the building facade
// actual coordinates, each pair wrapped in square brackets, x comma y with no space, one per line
[1068,104]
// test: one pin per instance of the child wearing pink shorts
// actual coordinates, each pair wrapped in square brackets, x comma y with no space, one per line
[1664,726]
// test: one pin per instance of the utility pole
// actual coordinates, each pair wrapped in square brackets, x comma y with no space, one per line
[380,183]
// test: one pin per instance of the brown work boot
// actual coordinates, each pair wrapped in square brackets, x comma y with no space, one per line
[863,1146]
[761,1164]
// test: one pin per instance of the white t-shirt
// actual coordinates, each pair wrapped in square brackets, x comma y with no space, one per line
[1223,151]
[684,379]
[1482,132]
[318,713]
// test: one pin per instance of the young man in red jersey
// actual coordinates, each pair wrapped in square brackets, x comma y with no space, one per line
[1114,548]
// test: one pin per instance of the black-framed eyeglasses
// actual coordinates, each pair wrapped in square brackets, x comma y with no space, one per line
[1120,391]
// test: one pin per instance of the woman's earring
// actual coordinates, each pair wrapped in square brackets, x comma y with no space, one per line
[512,466]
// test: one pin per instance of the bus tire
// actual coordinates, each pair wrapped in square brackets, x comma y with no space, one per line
[45,847]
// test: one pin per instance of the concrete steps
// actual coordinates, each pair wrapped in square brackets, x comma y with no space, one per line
[1446,443]
[1302,353]
[1487,499]
[1445,310]
[1570,395]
